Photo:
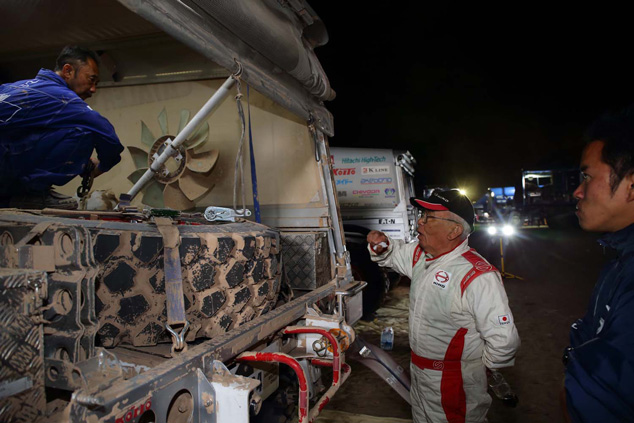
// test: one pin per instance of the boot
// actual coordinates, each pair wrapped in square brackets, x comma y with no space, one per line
[42,200]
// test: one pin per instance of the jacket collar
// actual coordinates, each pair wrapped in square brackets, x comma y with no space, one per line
[51,76]
[457,250]
[622,241]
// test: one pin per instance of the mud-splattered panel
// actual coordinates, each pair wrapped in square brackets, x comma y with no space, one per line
[22,396]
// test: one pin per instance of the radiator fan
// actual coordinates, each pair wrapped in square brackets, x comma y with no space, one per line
[183,178]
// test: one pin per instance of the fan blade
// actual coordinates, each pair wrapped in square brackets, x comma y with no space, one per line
[183,121]
[147,137]
[199,137]
[162,120]
[139,157]
[153,194]
[201,162]
[194,185]
[136,175]
[175,199]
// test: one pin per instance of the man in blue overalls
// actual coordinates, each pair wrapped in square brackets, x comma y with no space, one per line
[48,133]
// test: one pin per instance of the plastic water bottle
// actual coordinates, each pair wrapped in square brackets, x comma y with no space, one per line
[501,388]
[387,338]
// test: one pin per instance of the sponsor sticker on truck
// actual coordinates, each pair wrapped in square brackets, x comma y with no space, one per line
[376,181]
[375,170]
[365,177]
[366,192]
[344,171]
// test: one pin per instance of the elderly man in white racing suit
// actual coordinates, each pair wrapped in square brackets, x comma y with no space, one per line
[459,317]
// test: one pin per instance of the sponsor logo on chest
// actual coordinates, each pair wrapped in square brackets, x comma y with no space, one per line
[441,279]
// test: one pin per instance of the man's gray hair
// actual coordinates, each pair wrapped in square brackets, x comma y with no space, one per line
[466,229]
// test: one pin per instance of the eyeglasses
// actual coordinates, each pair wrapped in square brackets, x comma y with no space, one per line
[423,216]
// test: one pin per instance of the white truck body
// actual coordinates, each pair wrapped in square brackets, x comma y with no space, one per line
[374,187]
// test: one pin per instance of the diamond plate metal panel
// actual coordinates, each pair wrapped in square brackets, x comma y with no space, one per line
[22,392]
[306,259]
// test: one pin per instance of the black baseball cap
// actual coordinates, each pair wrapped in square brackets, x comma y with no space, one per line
[449,200]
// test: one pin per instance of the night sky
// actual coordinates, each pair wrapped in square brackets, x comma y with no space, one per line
[476,93]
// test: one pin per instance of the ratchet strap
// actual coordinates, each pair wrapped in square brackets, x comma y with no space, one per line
[173,281]
[254,177]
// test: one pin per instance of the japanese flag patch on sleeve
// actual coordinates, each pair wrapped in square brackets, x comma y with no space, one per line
[505,319]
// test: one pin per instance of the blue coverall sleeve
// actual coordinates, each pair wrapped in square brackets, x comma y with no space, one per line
[104,137]
[600,372]
[107,145]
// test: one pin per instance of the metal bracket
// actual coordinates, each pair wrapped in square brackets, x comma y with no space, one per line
[354,290]
[39,285]
[175,154]
[124,205]
[320,346]
[93,374]
[382,364]
[178,339]
[224,214]
[313,133]
[406,161]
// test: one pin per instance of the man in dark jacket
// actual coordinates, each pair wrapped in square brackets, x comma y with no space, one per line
[48,132]
[599,377]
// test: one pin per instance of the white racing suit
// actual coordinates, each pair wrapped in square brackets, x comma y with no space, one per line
[459,322]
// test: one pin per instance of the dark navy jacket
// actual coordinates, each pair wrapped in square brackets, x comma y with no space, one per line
[48,133]
[600,369]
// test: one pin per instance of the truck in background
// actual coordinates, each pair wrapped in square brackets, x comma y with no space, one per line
[545,198]
[374,187]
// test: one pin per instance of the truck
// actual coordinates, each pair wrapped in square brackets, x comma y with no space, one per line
[374,187]
[547,197]
[180,304]
[544,197]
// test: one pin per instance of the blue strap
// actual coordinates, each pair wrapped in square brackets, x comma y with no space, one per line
[254,176]
[172,268]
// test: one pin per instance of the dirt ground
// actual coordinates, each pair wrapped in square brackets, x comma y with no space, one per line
[559,269]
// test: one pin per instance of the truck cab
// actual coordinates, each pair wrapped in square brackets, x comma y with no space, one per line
[374,187]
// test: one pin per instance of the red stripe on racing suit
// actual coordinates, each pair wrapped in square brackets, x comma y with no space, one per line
[417,253]
[480,266]
[452,396]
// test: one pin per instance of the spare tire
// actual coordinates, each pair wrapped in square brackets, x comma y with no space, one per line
[231,274]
